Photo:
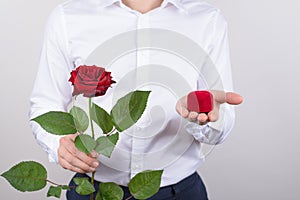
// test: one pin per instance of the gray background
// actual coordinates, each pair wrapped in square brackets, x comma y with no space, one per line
[259,160]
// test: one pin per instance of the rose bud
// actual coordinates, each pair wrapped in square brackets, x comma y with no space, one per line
[200,101]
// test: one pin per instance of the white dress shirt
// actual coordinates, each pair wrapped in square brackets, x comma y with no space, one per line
[154,51]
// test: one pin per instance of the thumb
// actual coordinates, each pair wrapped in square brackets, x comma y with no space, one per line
[227,97]
[233,98]
[72,136]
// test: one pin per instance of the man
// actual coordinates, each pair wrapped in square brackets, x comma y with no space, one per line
[75,29]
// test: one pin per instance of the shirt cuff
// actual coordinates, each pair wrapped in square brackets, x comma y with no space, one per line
[203,133]
[199,132]
[48,142]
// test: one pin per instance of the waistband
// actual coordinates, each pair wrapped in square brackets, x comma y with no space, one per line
[170,190]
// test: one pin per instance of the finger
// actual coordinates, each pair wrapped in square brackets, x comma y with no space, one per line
[202,118]
[71,148]
[233,98]
[62,154]
[75,157]
[66,165]
[227,97]
[94,154]
[69,145]
[92,162]
[193,116]
[213,115]
[67,158]
[75,162]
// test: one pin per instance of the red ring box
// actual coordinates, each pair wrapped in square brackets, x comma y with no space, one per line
[200,101]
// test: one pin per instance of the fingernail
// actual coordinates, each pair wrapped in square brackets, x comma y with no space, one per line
[94,154]
[95,164]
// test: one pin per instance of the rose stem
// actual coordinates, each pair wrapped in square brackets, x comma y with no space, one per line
[58,184]
[111,132]
[91,121]
[93,136]
[130,197]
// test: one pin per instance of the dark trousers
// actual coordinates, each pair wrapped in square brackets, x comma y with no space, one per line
[190,188]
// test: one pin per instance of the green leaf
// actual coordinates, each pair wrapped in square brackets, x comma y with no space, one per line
[145,184]
[85,143]
[109,191]
[81,119]
[57,123]
[98,196]
[129,109]
[27,176]
[84,186]
[102,118]
[106,144]
[65,187]
[54,191]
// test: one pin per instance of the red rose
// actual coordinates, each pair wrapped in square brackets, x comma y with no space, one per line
[90,81]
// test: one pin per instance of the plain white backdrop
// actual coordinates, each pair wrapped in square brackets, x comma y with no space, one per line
[259,160]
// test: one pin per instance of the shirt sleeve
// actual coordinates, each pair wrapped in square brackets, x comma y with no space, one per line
[216,132]
[51,91]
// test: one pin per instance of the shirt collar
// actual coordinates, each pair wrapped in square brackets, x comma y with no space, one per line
[105,3]
[177,3]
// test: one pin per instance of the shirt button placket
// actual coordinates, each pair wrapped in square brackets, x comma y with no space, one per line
[136,155]
[142,54]
[142,57]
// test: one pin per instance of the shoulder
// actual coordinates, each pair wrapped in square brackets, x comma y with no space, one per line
[78,7]
[199,8]
[71,8]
